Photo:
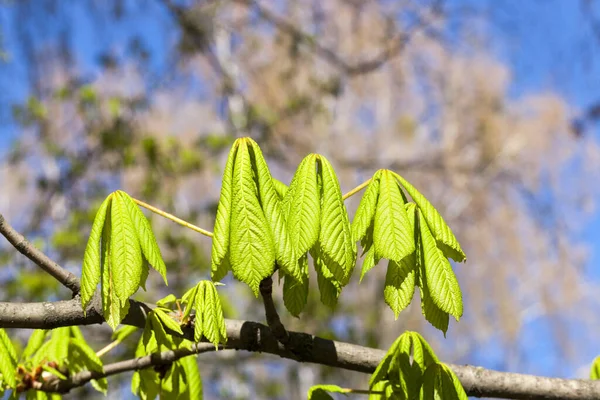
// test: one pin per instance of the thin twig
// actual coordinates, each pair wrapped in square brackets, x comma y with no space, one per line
[174,218]
[40,259]
[356,189]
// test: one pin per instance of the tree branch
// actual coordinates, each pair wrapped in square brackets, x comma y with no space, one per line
[256,337]
[40,259]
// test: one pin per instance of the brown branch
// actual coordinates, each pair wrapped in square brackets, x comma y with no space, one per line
[256,337]
[40,259]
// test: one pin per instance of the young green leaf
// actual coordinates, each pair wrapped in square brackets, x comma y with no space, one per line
[8,360]
[329,287]
[366,209]
[189,299]
[192,374]
[280,187]
[213,324]
[446,240]
[220,240]
[81,353]
[146,237]
[126,258]
[382,371]
[252,249]
[400,284]
[392,234]
[167,321]
[272,208]
[90,270]
[321,392]
[302,206]
[440,382]
[295,293]
[165,301]
[124,332]
[113,308]
[335,237]
[595,369]
[441,281]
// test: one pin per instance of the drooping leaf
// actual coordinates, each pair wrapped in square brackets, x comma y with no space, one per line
[213,324]
[439,382]
[90,270]
[146,237]
[392,234]
[338,250]
[252,250]
[302,206]
[192,374]
[399,284]
[321,392]
[58,347]
[329,287]
[366,209]
[370,259]
[8,360]
[113,308]
[189,299]
[295,293]
[221,232]
[272,208]
[441,281]
[81,352]
[126,258]
[382,371]
[441,231]
[34,343]
[167,321]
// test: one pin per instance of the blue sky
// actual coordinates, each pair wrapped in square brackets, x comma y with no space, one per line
[547,44]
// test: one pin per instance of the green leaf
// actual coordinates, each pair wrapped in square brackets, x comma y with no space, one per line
[165,301]
[302,206]
[392,234]
[210,322]
[272,208]
[381,372]
[192,373]
[221,231]
[382,386]
[446,240]
[126,258]
[146,237]
[161,336]
[90,270]
[113,309]
[8,360]
[441,281]
[329,287]
[167,321]
[595,369]
[400,284]
[335,237]
[366,209]
[83,354]
[189,299]
[439,382]
[295,293]
[320,392]
[36,340]
[252,250]
[124,332]
[280,187]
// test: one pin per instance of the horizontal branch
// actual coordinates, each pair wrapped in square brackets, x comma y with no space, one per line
[256,337]
[40,259]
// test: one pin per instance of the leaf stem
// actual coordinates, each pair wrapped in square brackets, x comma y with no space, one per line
[357,189]
[108,348]
[173,218]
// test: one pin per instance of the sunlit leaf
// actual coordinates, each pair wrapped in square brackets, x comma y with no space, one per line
[192,374]
[295,293]
[34,343]
[8,360]
[321,392]
[399,284]
[329,287]
[90,271]
[167,321]
[595,369]
[280,187]
[366,209]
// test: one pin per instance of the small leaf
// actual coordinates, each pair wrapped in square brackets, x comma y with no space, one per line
[8,360]
[36,340]
[221,232]
[90,270]
[147,240]
[213,327]
[161,336]
[165,301]
[440,230]
[392,234]
[252,250]
[441,281]
[295,293]
[338,250]
[329,287]
[366,209]
[400,284]
[440,382]
[167,321]
[192,374]
[320,392]
[595,369]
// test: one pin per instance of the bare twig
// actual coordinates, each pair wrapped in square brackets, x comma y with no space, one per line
[256,337]
[40,259]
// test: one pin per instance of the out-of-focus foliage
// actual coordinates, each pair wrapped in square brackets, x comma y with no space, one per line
[153,106]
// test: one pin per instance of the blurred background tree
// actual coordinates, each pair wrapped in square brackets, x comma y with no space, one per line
[147,96]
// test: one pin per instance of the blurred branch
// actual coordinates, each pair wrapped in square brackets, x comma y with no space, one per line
[40,259]
[256,337]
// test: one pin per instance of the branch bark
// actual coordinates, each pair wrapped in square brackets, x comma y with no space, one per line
[40,259]
[256,337]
